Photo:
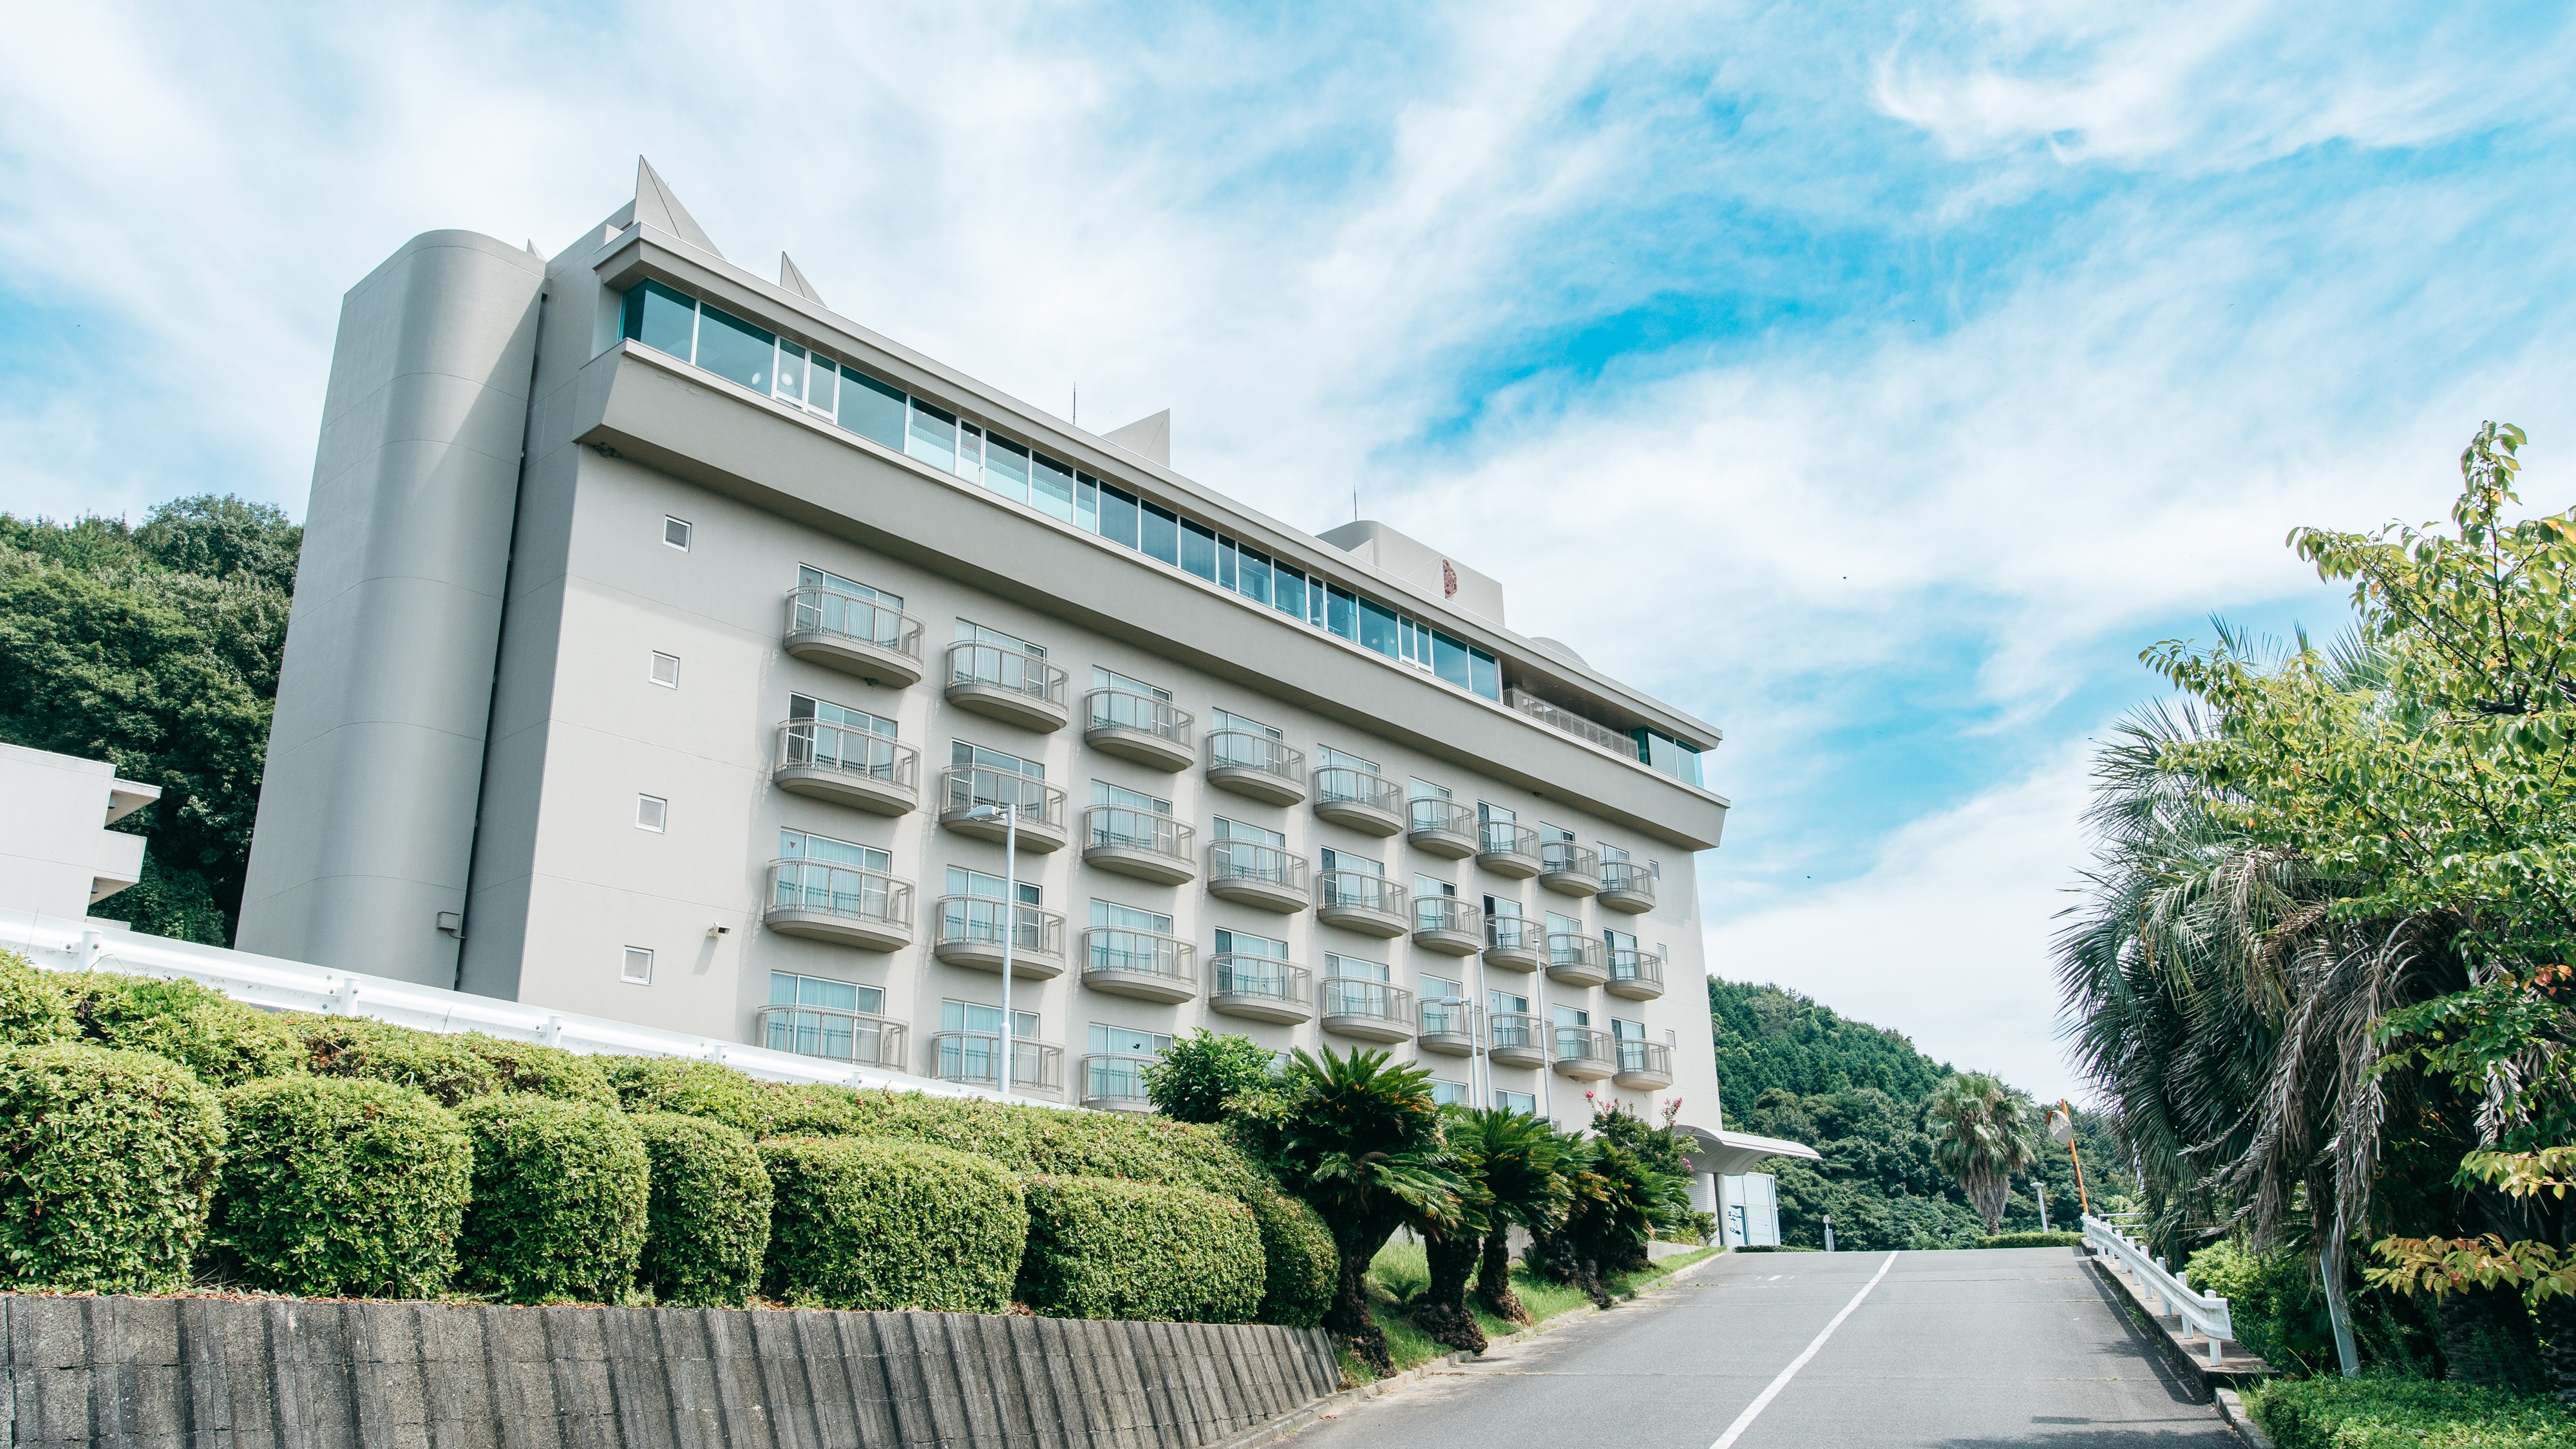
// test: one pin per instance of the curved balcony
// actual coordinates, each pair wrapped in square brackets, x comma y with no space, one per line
[1448,925]
[1138,843]
[1138,727]
[846,766]
[1371,804]
[1507,849]
[855,636]
[1115,1082]
[1582,1053]
[1635,973]
[1006,685]
[1441,827]
[1515,943]
[1357,901]
[974,1058]
[1628,886]
[1517,1040]
[1257,766]
[1642,1066]
[842,1036]
[970,935]
[1571,869]
[1144,964]
[1448,1028]
[1574,959]
[1250,873]
[1262,988]
[1368,1010]
[964,790]
[840,904]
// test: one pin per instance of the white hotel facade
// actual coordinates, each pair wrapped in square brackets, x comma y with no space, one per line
[667,648]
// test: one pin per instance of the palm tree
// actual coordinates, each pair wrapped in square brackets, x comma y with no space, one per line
[1982,1136]
[1510,1158]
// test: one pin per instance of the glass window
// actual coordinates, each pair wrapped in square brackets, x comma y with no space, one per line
[1339,613]
[1483,676]
[1326,758]
[1112,679]
[1238,830]
[822,387]
[1050,487]
[731,348]
[786,988]
[1352,968]
[1006,469]
[1104,793]
[1563,925]
[1505,1003]
[1244,943]
[1571,1016]
[970,452]
[1344,860]
[1425,790]
[1627,1030]
[1288,590]
[1492,814]
[675,532]
[1618,940]
[1086,503]
[1113,916]
[801,706]
[1225,563]
[1448,1094]
[1377,625]
[1198,550]
[1524,1103]
[1117,515]
[787,383]
[970,632]
[1159,533]
[802,845]
[810,577]
[932,437]
[962,753]
[976,1016]
[1252,575]
[1449,660]
[1424,885]
[1228,720]
[964,882]
[872,409]
[1663,752]
[1127,1041]
[663,320]
[1502,908]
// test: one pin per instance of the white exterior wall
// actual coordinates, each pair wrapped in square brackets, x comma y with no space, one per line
[57,857]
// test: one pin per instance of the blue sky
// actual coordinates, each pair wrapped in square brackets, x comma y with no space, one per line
[1873,380]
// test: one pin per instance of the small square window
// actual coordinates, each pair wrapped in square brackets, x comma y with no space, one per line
[638,970]
[675,532]
[652,812]
[666,669]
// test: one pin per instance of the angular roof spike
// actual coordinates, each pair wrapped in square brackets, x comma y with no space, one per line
[656,207]
[1149,438]
[794,281]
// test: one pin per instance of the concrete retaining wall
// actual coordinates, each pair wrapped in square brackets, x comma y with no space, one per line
[208,1373]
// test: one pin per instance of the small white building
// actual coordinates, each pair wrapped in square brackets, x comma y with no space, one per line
[1747,1203]
[57,856]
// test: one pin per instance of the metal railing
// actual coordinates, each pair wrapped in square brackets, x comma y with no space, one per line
[1377,1000]
[1451,1019]
[1516,1031]
[1447,913]
[1126,828]
[1007,669]
[1254,861]
[1338,784]
[1644,1056]
[1583,1044]
[1629,877]
[1558,717]
[978,920]
[1117,950]
[2203,1313]
[1232,973]
[1507,837]
[1244,750]
[812,742]
[840,890]
[1635,963]
[1515,933]
[1564,857]
[1115,1077]
[962,787]
[1442,817]
[1359,890]
[827,611]
[842,1036]
[1569,948]
[1125,709]
[973,1057]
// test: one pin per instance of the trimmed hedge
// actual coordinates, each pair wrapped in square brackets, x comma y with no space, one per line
[541,1071]
[1300,1264]
[1101,1248]
[340,1189]
[708,1223]
[1031,1140]
[442,1066]
[107,1163]
[856,1223]
[33,1008]
[696,1089]
[2367,1413]
[561,1197]
[2032,1240]
[224,1042]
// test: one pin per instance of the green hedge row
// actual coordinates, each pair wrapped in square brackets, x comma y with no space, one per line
[2032,1240]
[860,1223]
[1300,1265]
[2367,1413]
[108,1166]
[1103,1248]
[339,1189]
[707,1226]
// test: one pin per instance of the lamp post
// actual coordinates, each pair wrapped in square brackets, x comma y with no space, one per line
[1010,819]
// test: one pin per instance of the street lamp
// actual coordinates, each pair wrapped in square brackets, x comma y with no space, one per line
[1010,819]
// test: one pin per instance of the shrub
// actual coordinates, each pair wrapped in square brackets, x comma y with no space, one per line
[561,1197]
[708,1223]
[695,1089]
[2389,1413]
[856,1223]
[107,1162]
[1194,1079]
[2032,1240]
[33,1008]
[224,1042]
[340,1189]
[437,1063]
[1299,1263]
[1101,1248]
[542,1071]
[1031,1140]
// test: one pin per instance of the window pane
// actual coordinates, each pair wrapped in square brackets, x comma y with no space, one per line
[932,437]
[1377,624]
[789,384]
[1482,675]
[1252,576]
[661,319]
[1449,659]
[872,409]
[1341,612]
[822,380]
[970,452]
[1117,515]
[1159,533]
[1051,487]
[1198,549]
[1288,590]
[1006,469]
[1086,503]
[729,347]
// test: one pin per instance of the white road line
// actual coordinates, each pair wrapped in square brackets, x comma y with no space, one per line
[1763,1400]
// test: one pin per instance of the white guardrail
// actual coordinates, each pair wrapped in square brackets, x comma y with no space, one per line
[55,943]
[2204,1313]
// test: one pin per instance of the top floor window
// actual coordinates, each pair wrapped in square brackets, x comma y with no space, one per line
[970,632]
[1228,720]
[810,577]
[962,753]
[1112,679]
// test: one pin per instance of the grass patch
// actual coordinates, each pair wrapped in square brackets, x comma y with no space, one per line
[2387,1413]
[1400,1273]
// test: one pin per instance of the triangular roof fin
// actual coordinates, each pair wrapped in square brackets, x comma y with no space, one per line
[1149,438]
[794,281]
[656,207]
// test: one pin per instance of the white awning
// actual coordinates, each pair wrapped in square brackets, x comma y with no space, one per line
[1732,1152]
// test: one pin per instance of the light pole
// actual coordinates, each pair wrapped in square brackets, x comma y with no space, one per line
[1010,819]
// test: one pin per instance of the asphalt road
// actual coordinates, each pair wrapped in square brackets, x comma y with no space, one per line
[2004,1347]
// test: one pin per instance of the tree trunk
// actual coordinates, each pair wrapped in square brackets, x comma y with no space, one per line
[1987,1194]
[1443,1311]
[1494,1280]
[1350,1319]
[2558,1345]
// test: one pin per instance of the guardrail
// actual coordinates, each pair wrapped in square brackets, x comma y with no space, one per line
[2204,1313]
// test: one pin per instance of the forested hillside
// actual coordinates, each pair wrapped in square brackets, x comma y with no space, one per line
[156,648]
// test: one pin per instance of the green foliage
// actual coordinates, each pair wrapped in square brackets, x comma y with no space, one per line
[107,1163]
[856,1223]
[1770,1039]
[1197,1075]
[1983,1134]
[1030,1140]
[561,1199]
[2032,1240]
[156,649]
[1100,1248]
[340,1189]
[1299,1264]
[439,1064]
[696,1089]
[541,1071]
[34,1009]
[708,1224]
[224,1042]
[2385,1413]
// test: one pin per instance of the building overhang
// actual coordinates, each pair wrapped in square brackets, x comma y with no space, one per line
[1726,1152]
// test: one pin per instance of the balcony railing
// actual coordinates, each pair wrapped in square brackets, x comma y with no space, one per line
[1443,827]
[1581,1051]
[1450,1019]
[975,1057]
[1125,709]
[1448,914]
[1266,978]
[1561,718]
[1124,828]
[819,745]
[1250,860]
[1630,879]
[1516,933]
[842,1036]
[1372,1000]
[1239,751]
[994,667]
[977,920]
[1571,950]
[840,890]
[1345,784]
[1518,1033]
[1565,858]
[1508,847]
[1358,890]
[1635,971]
[1037,803]
[826,611]
[1645,1059]
[1115,1080]
[1112,950]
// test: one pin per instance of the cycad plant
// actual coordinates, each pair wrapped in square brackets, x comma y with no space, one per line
[1981,1135]
[1508,1160]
